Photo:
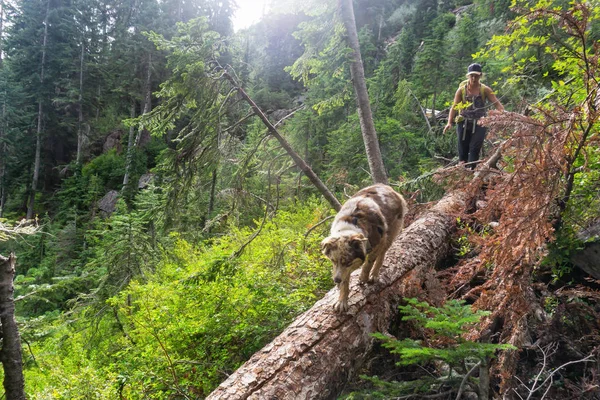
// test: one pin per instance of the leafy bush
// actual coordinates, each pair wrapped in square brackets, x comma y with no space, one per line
[109,167]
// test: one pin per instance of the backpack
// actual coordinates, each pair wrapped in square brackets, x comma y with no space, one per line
[463,89]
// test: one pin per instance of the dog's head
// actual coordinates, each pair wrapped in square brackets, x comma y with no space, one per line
[346,252]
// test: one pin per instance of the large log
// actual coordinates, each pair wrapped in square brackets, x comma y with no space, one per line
[321,350]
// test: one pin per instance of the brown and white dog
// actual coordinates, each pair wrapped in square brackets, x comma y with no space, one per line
[361,233]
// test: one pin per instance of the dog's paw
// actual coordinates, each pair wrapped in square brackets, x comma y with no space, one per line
[364,278]
[341,306]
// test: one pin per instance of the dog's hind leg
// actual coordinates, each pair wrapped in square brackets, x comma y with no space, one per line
[377,267]
[379,260]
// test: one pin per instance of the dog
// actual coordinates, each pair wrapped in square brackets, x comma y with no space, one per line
[361,233]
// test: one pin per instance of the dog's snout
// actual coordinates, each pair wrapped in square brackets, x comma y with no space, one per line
[337,279]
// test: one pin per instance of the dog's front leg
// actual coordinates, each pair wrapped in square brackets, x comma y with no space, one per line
[342,303]
[366,269]
[377,267]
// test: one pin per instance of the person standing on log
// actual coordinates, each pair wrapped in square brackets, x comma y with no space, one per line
[470,104]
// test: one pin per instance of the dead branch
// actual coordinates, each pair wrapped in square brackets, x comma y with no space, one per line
[547,352]
[300,163]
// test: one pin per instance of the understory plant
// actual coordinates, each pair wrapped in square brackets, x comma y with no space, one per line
[446,363]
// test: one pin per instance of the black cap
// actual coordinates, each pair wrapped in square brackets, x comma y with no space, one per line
[474,69]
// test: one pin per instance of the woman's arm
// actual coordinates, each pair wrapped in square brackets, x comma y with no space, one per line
[452,114]
[493,99]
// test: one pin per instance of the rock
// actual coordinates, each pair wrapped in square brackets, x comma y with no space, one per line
[113,141]
[588,259]
[108,203]
[145,180]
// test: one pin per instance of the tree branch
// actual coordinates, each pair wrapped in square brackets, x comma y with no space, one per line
[300,163]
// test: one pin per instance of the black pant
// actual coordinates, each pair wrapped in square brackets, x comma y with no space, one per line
[470,141]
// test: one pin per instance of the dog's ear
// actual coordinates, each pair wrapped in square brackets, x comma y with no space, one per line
[327,245]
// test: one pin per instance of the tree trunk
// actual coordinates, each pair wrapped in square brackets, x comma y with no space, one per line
[365,115]
[80,116]
[130,143]
[2,173]
[38,136]
[321,350]
[300,163]
[147,97]
[3,152]
[146,109]
[3,148]
[213,189]
[10,354]
[433,101]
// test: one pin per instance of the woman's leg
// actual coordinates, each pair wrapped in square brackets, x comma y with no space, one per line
[463,142]
[476,143]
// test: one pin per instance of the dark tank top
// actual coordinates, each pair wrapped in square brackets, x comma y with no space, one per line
[477,108]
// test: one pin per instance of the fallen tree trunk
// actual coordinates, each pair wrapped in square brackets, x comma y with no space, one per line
[318,353]
[10,353]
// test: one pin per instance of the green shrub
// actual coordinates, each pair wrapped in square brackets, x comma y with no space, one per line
[444,328]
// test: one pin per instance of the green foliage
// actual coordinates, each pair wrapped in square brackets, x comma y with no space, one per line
[444,329]
[403,150]
[449,322]
[176,328]
[270,100]
[190,276]
[109,168]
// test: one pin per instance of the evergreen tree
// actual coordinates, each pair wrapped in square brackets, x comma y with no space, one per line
[429,74]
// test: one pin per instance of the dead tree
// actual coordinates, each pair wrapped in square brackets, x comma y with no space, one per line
[321,350]
[10,353]
[365,115]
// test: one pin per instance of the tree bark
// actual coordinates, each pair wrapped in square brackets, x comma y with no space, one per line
[321,350]
[146,109]
[10,354]
[2,174]
[2,124]
[80,113]
[300,163]
[365,115]
[147,97]
[130,143]
[38,136]
[213,189]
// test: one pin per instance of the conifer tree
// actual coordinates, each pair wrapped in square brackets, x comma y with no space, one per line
[40,115]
